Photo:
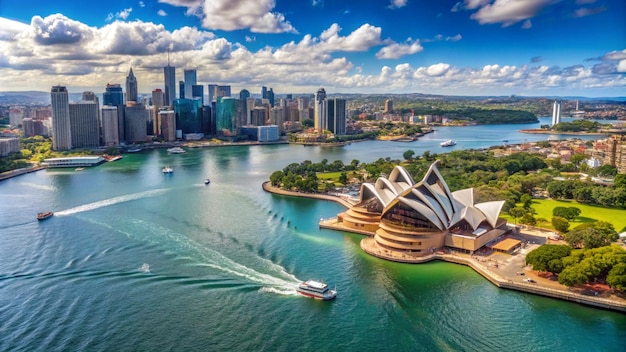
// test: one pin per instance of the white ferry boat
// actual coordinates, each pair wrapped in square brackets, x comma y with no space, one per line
[176,150]
[317,290]
[168,170]
[447,143]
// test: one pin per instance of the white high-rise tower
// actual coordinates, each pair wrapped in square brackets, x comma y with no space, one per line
[61,133]
[320,120]
[556,113]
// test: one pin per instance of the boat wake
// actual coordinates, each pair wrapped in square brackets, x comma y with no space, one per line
[111,201]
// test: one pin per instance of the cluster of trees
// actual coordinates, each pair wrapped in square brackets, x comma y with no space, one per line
[303,177]
[577,126]
[588,192]
[34,149]
[579,266]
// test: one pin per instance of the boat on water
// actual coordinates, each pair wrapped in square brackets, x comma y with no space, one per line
[316,289]
[44,216]
[447,143]
[168,170]
[207,181]
[176,150]
[134,150]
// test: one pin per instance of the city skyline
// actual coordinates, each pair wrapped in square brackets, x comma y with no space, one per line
[471,47]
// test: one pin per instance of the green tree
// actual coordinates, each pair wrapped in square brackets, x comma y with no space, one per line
[276,178]
[517,212]
[526,200]
[343,178]
[542,257]
[528,219]
[592,235]
[408,155]
[570,213]
[308,123]
[560,224]
[617,277]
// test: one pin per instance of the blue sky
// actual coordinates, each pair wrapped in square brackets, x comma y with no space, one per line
[467,47]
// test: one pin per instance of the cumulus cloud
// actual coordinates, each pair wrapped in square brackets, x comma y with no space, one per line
[397,50]
[122,15]
[250,39]
[142,4]
[162,13]
[9,28]
[437,69]
[360,39]
[57,29]
[396,4]
[506,12]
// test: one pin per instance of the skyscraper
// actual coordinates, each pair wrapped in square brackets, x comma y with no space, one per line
[263,92]
[223,91]
[190,80]
[114,96]
[135,122]
[110,131]
[336,115]
[320,110]
[197,92]
[212,91]
[61,133]
[84,124]
[270,97]
[556,113]
[169,73]
[388,106]
[226,116]
[181,89]
[131,86]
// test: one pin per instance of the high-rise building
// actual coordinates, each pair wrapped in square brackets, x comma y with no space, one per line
[336,115]
[277,117]
[181,89]
[197,91]
[320,110]
[244,94]
[84,124]
[258,116]
[131,87]
[270,96]
[190,80]
[263,92]
[556,113]
[90,96]
[135,121]
[188,115]
[169,73]
[110,130]
[114,96]
[158,98]
[61,133]
[168,125]
[388,106]
[250,102]
[223,91]
[226,116]
[212,92]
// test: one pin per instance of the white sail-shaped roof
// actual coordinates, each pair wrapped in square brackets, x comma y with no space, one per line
[491,210]
[427,212]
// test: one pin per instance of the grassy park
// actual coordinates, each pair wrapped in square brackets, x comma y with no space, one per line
[588,213]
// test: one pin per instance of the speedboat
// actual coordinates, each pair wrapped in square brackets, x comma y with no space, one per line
[176,150]
[44,216]
[168,170]
[316,289]
[447,143]
[207,181]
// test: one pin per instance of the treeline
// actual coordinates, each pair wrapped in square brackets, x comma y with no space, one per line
[590,193]
[605,264]
[577,126]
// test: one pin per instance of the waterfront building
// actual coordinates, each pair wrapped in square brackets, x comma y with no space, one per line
[135,122]
[258,116]
[336,115]
[207,119]
[188,115]
[226,116]
[277,117]
[75,161]
[131,87]
[268,133]
[168,125]
[320,110]
[169,75]
[110,129]
[556,113]
[114,96]
[61,133]
[409,220]
[190,79]
[84,124]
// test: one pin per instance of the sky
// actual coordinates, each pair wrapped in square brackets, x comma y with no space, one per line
[466,47]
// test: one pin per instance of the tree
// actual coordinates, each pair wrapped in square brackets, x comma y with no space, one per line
[542,258]
[308,123]
[560,224]
[570,213]
[343,178]
[517,212]
[276,178]
[617,277]
[528,219]
[526,200]
[592,235]
[408,155]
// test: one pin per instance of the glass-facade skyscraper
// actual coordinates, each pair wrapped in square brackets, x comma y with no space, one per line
[190,79]
[169,73]
[226,116]
[61,133]
[188,115]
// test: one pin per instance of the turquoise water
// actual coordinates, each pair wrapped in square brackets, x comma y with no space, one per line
[137,260]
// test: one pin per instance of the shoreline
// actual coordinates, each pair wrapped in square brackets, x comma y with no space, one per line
[581,133]
[501,280]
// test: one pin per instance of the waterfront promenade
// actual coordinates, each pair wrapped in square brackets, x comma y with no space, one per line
[18,172]
[508,271]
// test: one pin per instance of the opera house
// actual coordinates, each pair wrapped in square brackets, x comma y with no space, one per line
[406,220]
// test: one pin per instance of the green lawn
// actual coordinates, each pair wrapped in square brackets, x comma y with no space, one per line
[588,213]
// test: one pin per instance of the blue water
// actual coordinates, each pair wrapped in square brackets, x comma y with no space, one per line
[137,260]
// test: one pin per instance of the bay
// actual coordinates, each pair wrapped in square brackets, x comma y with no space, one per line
[135,260]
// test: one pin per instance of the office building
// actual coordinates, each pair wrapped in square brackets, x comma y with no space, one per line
[336,115]
[181,90]
[188,115]
[168,125]
[263,92]
[158,98]
[110,129]
[223,91]
[61,133]
[320,110]
[131,87]
[84,124]
[114,96]
[190,79]
[211,93]
[135,121]
[197,92]
[169,74]
[226,116]
[556,113]
[258,116]
[270,97]
[277,117]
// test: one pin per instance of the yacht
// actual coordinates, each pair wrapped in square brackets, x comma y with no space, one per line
[44,216]
[447,143]
[316,289]
[176,150]
[168,170]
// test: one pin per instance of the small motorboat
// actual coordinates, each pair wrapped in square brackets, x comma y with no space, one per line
[44,216]
[207,181]
[448,143]
[168,170]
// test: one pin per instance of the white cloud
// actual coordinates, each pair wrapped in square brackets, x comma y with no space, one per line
[506,12]
[250,39]
[621,66]
[437,69]
[396,4]
[122,15]
[456,38]
[9,28]
[162,13]
[360,39]
[230,15]
[142,4]
[397,50]
[586,11]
